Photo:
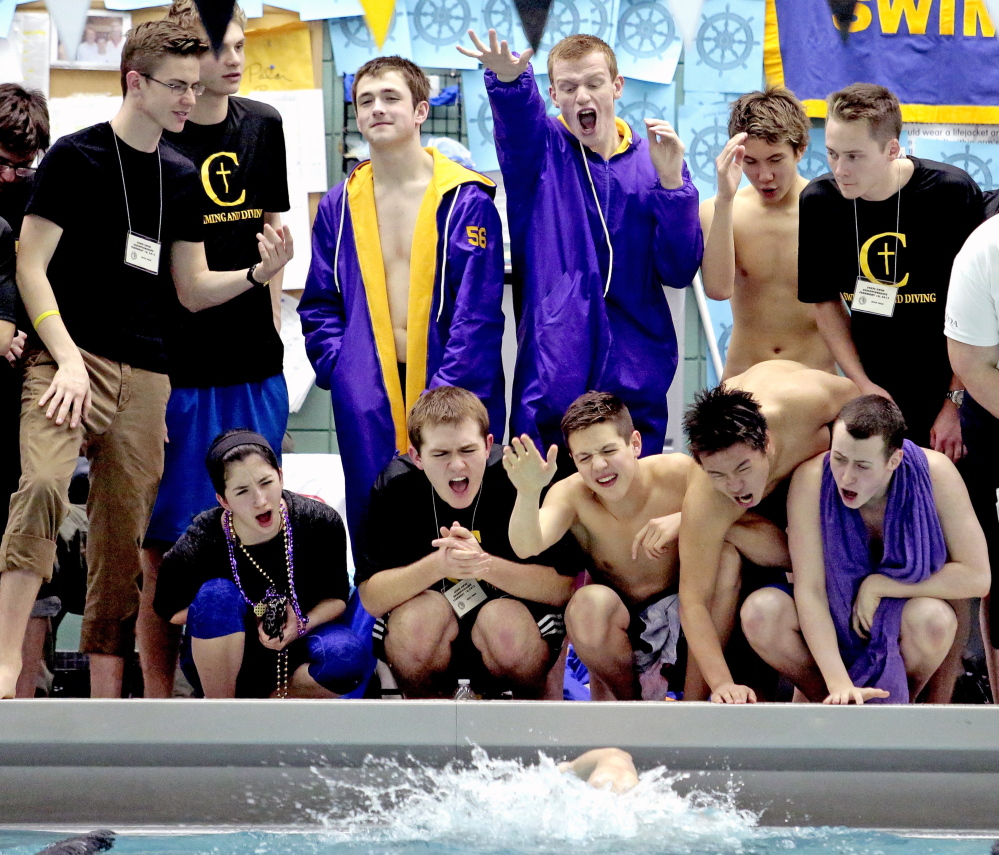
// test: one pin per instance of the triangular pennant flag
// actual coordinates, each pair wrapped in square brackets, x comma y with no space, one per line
[69,17]
[379,14]
[533,17]
[843,13]
[687,15]
[215,17]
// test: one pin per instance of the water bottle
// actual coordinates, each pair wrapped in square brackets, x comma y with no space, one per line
[464,691]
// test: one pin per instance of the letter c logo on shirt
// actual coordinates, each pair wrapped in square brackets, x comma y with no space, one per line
[885,253]
[221,172]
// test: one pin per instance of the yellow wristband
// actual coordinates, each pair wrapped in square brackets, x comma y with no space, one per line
[43,316]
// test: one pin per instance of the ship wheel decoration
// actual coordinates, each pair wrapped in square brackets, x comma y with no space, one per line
[646,29]
[498,15]
[599,20]
[356,32]
[705,148]
[635,111]
[563,20]
[725,41]
[723,341]
[484,119]
[977,168]
[813,164]
[442,22]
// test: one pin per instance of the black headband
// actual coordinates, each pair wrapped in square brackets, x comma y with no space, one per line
[221,447]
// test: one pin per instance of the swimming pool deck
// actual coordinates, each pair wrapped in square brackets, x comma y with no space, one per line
[193,763]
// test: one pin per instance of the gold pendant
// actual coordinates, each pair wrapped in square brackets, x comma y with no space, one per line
[259,609]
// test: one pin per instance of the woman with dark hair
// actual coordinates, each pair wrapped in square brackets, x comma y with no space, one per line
[261,583]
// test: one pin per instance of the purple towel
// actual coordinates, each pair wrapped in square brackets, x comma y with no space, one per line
[914,548]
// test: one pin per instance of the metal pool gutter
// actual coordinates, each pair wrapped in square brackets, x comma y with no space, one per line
[263,763]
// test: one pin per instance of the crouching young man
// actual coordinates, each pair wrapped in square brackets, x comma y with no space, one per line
[625,513]
[881,534]
[436,568]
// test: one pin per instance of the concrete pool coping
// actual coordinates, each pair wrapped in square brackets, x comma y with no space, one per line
[262,763]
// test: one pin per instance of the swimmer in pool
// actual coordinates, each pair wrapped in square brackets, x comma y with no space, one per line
[603,767]
[624,511]
[747,436]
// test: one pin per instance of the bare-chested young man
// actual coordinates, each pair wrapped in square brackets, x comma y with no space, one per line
[406,285]
[624,512]
[748,435]
[751,235]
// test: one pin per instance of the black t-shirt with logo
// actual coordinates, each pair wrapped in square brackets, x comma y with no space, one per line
[243,174]
[906,353]
[406,513]
[110,308]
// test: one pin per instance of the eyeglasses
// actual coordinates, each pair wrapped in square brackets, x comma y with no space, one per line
[15,171]
[179,89]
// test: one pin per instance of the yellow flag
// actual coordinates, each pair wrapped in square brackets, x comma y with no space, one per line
[378,14]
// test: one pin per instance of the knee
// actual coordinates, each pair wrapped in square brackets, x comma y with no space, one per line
[508,635]
[338,659]
[420,626]
[589,612]
[45,485]
[763,614]
[218,609]
[928,623]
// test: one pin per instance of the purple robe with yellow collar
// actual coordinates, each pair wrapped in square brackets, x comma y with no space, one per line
[455,322]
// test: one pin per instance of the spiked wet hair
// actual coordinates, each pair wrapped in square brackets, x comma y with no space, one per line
[720,418]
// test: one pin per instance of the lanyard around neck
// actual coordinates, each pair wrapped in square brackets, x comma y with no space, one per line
[124,187]
[898,214]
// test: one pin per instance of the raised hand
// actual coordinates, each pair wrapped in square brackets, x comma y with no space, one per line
[527,470]
[728,165]
[665,152]
[498,57]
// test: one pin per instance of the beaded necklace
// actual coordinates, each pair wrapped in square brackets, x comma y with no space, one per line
[260,608]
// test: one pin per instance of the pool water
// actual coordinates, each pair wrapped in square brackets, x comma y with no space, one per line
[505,807]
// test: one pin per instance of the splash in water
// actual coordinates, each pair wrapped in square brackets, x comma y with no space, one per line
[505,806]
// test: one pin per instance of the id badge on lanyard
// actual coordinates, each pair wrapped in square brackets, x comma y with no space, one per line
[142,253]
[465,596]
[874,298]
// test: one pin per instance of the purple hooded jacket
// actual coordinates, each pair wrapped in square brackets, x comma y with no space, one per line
[455,317]
[577,331]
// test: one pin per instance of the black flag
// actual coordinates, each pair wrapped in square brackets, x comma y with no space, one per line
[843,13]
[215,15]
[533,16]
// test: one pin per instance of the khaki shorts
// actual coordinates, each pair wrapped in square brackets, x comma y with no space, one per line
[124,435]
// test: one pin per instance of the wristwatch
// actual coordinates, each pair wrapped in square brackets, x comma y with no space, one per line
[249,276]
[956,397]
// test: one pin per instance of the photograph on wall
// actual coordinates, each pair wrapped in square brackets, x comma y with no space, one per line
[100,47]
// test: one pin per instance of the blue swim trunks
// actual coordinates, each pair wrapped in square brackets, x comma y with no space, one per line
[194,418]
